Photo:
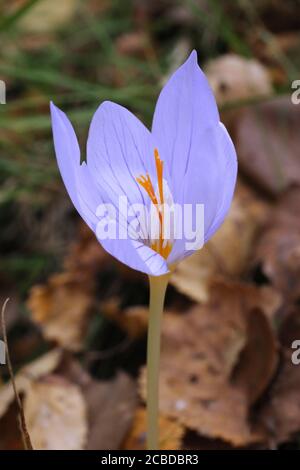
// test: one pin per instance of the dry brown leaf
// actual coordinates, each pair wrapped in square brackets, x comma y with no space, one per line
[33,371]
[55,412]
[253,374]
[277,251]
[280,416]
[171,433]
[62,308]
[110,405]
[267,141]
[235,78]
[200,352]
[227,253]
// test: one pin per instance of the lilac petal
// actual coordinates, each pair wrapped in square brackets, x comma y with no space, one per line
[74,175]
[120,149]
[210,182]
[229,180]
[185,108]
[136,255]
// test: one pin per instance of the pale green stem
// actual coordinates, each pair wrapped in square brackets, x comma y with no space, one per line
[158,286]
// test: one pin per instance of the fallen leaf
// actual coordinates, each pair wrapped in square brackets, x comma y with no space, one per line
[267,141]
[234,78]
[62,308]
[55,413]
[33,371]
[227,254]
[170,433]
[200,352]
[277,251]
[280,415]
[252,373]
[110,405]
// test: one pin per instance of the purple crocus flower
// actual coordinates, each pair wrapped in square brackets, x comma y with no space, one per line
[187,158]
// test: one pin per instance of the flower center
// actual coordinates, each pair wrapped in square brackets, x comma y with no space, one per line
[160,245]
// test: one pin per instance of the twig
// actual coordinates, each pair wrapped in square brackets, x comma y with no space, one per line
[22,422]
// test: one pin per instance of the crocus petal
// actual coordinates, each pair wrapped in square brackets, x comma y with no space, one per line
[229,180]
[75,176]
[185,107]
[210,183]
[119,149]
[199,154]
[136,255]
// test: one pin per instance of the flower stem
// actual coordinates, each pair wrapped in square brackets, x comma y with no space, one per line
[158,286]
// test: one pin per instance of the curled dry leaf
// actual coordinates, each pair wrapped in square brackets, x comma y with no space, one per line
[200,352]
[62,308]
[55,414]
[234,78]
[277,252]
[227,254]
[267,141]
[33,371]
[170,433]
[280,416]
[252,373]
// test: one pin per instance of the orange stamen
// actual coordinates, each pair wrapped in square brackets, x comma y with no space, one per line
[146,183]
[159,170]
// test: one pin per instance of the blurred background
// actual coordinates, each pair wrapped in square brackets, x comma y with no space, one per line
[77,319]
